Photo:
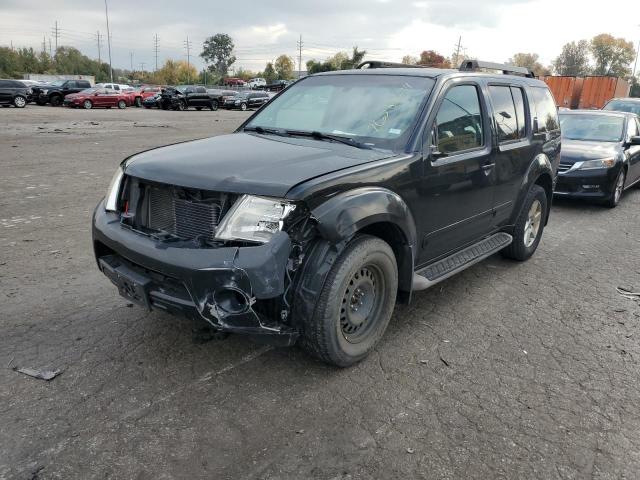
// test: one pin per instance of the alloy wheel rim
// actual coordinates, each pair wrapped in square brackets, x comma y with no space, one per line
[87,104]
[20,102]
[532,225]
[361,303]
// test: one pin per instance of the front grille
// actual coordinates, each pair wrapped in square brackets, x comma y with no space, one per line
[563,167]
[178,212]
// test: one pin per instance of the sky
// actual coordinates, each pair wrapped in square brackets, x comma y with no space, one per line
[491,30]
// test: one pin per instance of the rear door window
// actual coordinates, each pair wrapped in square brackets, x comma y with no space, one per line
[201,90]
[459,121]
[545,108]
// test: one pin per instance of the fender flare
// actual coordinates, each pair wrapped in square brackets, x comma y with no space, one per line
[539,167]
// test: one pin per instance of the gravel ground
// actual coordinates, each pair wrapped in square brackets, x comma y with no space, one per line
[507,370]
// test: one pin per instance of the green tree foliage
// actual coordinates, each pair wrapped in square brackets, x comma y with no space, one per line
[611,56]
[218,51]
[530,61]
[410,60]
[573,59]
[340,61]
[284,67]
[269,73]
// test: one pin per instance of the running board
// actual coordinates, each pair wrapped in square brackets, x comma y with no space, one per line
[436,272]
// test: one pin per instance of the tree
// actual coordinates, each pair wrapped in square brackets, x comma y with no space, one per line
[357,56]
[269,73]
[284,67]
[573,60]
[410,60]
[530,61]
[612,56]
[431,58]
[218,50]
[457,58]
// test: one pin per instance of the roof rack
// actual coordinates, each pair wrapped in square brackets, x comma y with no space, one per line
[475,65]
[379,64]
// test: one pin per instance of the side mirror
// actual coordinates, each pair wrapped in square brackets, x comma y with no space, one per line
[635,140]
[434,151]
[96,94]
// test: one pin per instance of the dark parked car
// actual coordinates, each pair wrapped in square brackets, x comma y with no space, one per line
[184,96]
[631,105]
[55,92]
[14,92]
[154,101]
[600,155]
[348,191]
[219,96]
[246,100]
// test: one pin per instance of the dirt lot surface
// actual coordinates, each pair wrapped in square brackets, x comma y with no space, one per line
[505,371]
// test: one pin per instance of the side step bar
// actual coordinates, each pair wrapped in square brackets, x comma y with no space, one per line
[442,269]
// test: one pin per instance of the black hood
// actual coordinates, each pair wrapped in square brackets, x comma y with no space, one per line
[246,163]
[581,151]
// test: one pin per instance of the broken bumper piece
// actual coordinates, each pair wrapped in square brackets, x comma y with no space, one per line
[220,285]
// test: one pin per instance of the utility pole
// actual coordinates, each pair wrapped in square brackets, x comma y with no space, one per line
[131,60]
[142,66]
[458,47]
[44,44]
[56,34]
[155,49]
[300,56]
[187,45]
[50,51]
[106,14]
[98,37]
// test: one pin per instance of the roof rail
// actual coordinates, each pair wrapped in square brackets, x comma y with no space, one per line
[475,65]
[380,64]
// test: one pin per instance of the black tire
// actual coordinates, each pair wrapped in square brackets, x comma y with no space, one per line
[147,106]
[365,272]
[19,101]
[180,106]
[214,105]
[524,244]
[55,100]
[138,102]
[243,107]
[614,197]
[87,104]
[122,104]
[198,108]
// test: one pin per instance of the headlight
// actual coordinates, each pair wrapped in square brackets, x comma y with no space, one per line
[600,163]
[254,218]
[111,200]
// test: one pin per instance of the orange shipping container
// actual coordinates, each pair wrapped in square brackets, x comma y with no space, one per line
[566,90]
[596,91]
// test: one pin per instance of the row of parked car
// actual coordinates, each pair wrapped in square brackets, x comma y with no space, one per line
[80,94]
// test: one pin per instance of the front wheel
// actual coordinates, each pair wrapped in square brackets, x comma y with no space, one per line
[214,105]
[616,190]
[355,304]
[122,104]
[87,104]
[138,102]
[56,101]
[529,225]
[243,107]
[180,106]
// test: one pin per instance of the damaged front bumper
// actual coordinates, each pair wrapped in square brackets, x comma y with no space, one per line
[223,286]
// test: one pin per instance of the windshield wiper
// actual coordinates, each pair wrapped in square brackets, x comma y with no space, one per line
[267,130]
[328,136]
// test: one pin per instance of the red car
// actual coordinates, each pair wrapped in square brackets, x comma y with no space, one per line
[97,97]
[137,95]
[236,82]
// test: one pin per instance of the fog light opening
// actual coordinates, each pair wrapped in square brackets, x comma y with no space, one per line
[590,187]
[231,300]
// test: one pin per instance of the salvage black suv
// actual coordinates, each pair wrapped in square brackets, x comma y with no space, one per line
[346,193]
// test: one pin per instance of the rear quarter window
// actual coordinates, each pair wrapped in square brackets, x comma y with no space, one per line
[544,106]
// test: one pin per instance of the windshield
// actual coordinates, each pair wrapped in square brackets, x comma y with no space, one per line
[87,91]
[57,83]
[622,106]
[595,128]
[375,109]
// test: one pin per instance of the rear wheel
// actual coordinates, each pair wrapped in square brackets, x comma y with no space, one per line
[122,104]
[214,105]
[355,304]
[87,104]
[616,190]
[56,100]
[19,101]
[138,102]
[529,225]
[243,107]
[180,106]
[198,108]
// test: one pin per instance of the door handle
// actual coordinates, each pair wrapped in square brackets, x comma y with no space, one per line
[488,166]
